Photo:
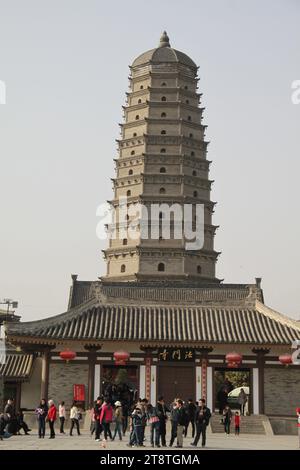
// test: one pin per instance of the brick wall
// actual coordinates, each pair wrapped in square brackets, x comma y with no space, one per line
[62,378]
[282,391]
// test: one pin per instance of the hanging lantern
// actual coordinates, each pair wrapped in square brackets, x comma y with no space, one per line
[121,357]
[285,359]
[67,355]
[233,359]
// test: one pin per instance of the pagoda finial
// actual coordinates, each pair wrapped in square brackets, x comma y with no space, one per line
[164,40]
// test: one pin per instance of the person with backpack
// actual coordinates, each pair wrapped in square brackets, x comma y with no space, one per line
[106,417]
[154,422]
[202,418]
[118,419]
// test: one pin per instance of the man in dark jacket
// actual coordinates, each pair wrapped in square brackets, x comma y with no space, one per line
[191,414]
[181,422]
[162,414]
[203,415]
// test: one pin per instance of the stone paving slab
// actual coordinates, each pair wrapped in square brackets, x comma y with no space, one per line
[85,442]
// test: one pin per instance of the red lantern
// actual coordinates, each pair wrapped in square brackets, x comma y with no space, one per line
[121,357]
[67,355]
[233,359]
[285,359]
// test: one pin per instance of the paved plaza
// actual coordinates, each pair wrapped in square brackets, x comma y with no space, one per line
[214,442]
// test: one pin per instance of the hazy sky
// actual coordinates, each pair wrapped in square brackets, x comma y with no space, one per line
[65,65]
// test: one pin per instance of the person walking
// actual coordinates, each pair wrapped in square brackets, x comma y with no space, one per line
[74,417]
[51,418]
[97,413]
[162,414]
[137,425]
[227,416]
[237,423]
[106,417]
[202,418]
[62,416]
[118,418]
[42,412]
[21,423]
[242,400]
[181,422]
[154,422]
[191,415]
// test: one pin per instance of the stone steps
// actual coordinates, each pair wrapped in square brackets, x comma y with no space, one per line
[249,425]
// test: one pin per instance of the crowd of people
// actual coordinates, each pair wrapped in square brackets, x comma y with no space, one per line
[135,418]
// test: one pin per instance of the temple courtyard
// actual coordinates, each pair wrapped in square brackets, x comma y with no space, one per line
[215,441]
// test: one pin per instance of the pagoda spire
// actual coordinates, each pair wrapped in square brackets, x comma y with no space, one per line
[164,40]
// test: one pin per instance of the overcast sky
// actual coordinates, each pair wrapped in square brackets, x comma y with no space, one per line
[65,65]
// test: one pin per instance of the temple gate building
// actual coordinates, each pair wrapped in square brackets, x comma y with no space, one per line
[159,301]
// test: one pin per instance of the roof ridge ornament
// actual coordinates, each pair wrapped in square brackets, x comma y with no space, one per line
[164,40]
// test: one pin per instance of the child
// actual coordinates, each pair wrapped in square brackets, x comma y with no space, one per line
[237,421]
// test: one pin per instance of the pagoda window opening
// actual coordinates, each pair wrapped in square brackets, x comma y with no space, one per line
[161,267]
[163,150]
[194,173]
[130,172]
[192,154]
[141,87]
[163,115]
[128,193]
[123,268]
[189,118]
[163,84]
[187,102]
[162,191]
[124,241]
[137,117]
[186,87]
[134,134]
[195,193]
[199,269]
[191,136]
[163,98]
[163,132]
[132,152]
[162,170]
[139,101]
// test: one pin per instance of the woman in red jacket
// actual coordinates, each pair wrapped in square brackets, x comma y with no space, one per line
[51,417]
[106,417]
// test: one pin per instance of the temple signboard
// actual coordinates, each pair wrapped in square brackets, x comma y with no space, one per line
[176,355]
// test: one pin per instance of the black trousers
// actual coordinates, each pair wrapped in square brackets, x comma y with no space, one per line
[187,426]
[74,422]
[162,431]
[173,432]
[62,420]
[51,426]
[201,429]
[106,429]
[42,427]
[98,429]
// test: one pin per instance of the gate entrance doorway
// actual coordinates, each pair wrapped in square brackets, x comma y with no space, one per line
[227,388]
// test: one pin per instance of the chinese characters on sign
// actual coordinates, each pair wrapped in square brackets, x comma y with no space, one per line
[176,354]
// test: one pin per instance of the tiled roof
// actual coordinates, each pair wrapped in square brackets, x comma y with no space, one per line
[16,366]
[154,323]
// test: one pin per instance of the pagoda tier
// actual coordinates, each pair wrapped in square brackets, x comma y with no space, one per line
[162,162]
